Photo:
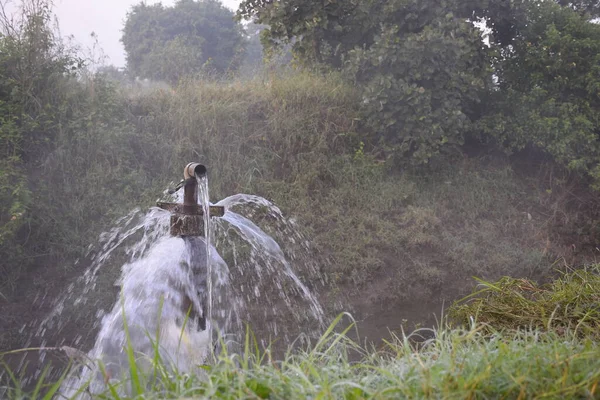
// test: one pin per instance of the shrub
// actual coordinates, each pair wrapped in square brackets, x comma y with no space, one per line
[34,67]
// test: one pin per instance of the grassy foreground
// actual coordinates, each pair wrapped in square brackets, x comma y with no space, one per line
[514,340]
[459,363]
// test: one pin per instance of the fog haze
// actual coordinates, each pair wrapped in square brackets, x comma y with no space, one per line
[105,18]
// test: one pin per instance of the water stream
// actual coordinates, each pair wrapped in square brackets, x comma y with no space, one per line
[177,294]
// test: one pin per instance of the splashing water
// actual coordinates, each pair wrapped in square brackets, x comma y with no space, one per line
[160,310]
[260,266]
[175,291]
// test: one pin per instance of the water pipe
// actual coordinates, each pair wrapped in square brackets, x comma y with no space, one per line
[194,170]
[187,218]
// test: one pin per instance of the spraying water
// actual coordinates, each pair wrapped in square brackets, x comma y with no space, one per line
[264,271]
[158,315]
[175,291]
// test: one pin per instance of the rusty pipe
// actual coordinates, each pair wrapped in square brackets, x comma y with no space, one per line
[190,186]
[194,170]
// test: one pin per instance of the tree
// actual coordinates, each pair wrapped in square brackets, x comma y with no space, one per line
[420,88]
[427,77]
[548,91]
[419,63]
[321,31]
[167,43]
[506,19]
[591,8]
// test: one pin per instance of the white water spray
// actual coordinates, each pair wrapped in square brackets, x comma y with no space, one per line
[174,292]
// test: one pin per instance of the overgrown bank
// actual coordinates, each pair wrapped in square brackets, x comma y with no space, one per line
[409,240]
[369,159]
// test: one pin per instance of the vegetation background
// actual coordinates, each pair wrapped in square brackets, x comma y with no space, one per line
[415,151]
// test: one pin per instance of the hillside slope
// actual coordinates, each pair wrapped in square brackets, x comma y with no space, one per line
[395,245]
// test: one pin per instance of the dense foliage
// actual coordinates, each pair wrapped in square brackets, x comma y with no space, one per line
[421,64]
[428,78]
[420,87]
[34,68]
[64,136]
[548,90]
[168,43]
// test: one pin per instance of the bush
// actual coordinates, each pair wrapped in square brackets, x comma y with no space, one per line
[419,88]
[34,68]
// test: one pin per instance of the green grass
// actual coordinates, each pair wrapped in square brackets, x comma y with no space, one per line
[516,340]
[467,363]
[570,303]
[420,235]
